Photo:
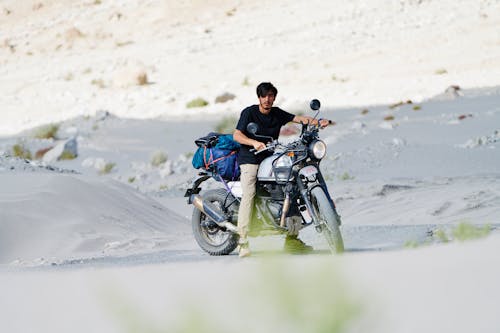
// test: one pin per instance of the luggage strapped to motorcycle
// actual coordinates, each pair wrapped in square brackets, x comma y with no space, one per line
[217,154]
[211,162]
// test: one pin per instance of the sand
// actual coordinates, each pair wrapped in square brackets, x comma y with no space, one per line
[102,242]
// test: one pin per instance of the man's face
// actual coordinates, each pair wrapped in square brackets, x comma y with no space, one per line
[266,102]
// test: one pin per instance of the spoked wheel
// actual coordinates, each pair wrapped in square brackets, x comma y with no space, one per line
[329,219]
[209,236]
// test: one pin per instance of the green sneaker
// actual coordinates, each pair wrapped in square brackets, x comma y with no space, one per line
[295,246]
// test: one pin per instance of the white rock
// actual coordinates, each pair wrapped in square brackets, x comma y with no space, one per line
[387,125]
[69,146]
[397,142]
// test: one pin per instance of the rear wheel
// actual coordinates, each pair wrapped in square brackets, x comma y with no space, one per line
[329,219]
[209,236]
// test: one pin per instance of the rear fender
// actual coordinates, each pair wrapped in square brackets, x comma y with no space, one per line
[195,188]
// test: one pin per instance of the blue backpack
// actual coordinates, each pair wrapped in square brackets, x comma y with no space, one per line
[218,153]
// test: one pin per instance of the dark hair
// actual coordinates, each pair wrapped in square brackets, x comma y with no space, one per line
[265,88]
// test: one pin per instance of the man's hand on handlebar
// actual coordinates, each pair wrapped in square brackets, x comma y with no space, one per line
[257,145]
[325,122]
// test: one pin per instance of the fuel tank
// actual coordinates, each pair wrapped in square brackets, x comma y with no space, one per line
[275,168]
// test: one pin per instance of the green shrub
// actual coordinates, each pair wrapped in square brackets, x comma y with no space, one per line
[107,168]
[46,132]
[411,244]
[158,158]
[197,103]
[465,231]
[226,125]
[441,235]
[345,176]
[66,155]
[440,71]
[19,150]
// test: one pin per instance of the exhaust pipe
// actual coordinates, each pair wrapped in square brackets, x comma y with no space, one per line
[286,207]
[212,212]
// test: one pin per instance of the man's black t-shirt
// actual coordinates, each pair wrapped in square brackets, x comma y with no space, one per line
[269,125]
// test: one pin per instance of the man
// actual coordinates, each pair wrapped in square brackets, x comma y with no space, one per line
[270,120]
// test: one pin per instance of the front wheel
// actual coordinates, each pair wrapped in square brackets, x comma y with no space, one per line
[328,218]
[209,236]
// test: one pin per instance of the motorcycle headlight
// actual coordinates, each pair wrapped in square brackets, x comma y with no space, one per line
[317,149]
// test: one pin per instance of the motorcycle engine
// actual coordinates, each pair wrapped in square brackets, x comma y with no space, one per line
[275,191]
[274,208]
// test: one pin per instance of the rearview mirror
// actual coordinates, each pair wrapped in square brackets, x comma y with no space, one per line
[252,128]
[315,105]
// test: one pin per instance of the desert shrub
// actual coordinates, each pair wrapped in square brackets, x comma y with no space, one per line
[339,79]
[417,107]
[98,82]
[401,103]
[441,236]
[389,118]
[131,179]
[158,158]
[107,168]
[46,132]
[67,155]
[224,98]
[364,111]
[197,103]
[411,244]
[226,125]
[19,150]
[345,176]
[465,231]
[142,78]
[440,71]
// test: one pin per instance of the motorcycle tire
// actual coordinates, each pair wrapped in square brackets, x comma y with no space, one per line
[329,219]
[209,236]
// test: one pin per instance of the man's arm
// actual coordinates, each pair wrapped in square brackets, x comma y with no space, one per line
[241,138]
[310,120]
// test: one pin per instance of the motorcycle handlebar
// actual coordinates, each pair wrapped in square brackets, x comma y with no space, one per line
[269,146]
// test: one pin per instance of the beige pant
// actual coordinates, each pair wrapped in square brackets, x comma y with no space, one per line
[248,179]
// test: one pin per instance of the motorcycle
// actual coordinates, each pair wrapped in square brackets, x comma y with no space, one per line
[291,192]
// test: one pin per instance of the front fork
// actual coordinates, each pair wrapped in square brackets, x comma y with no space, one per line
[304,192]
[305,196]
